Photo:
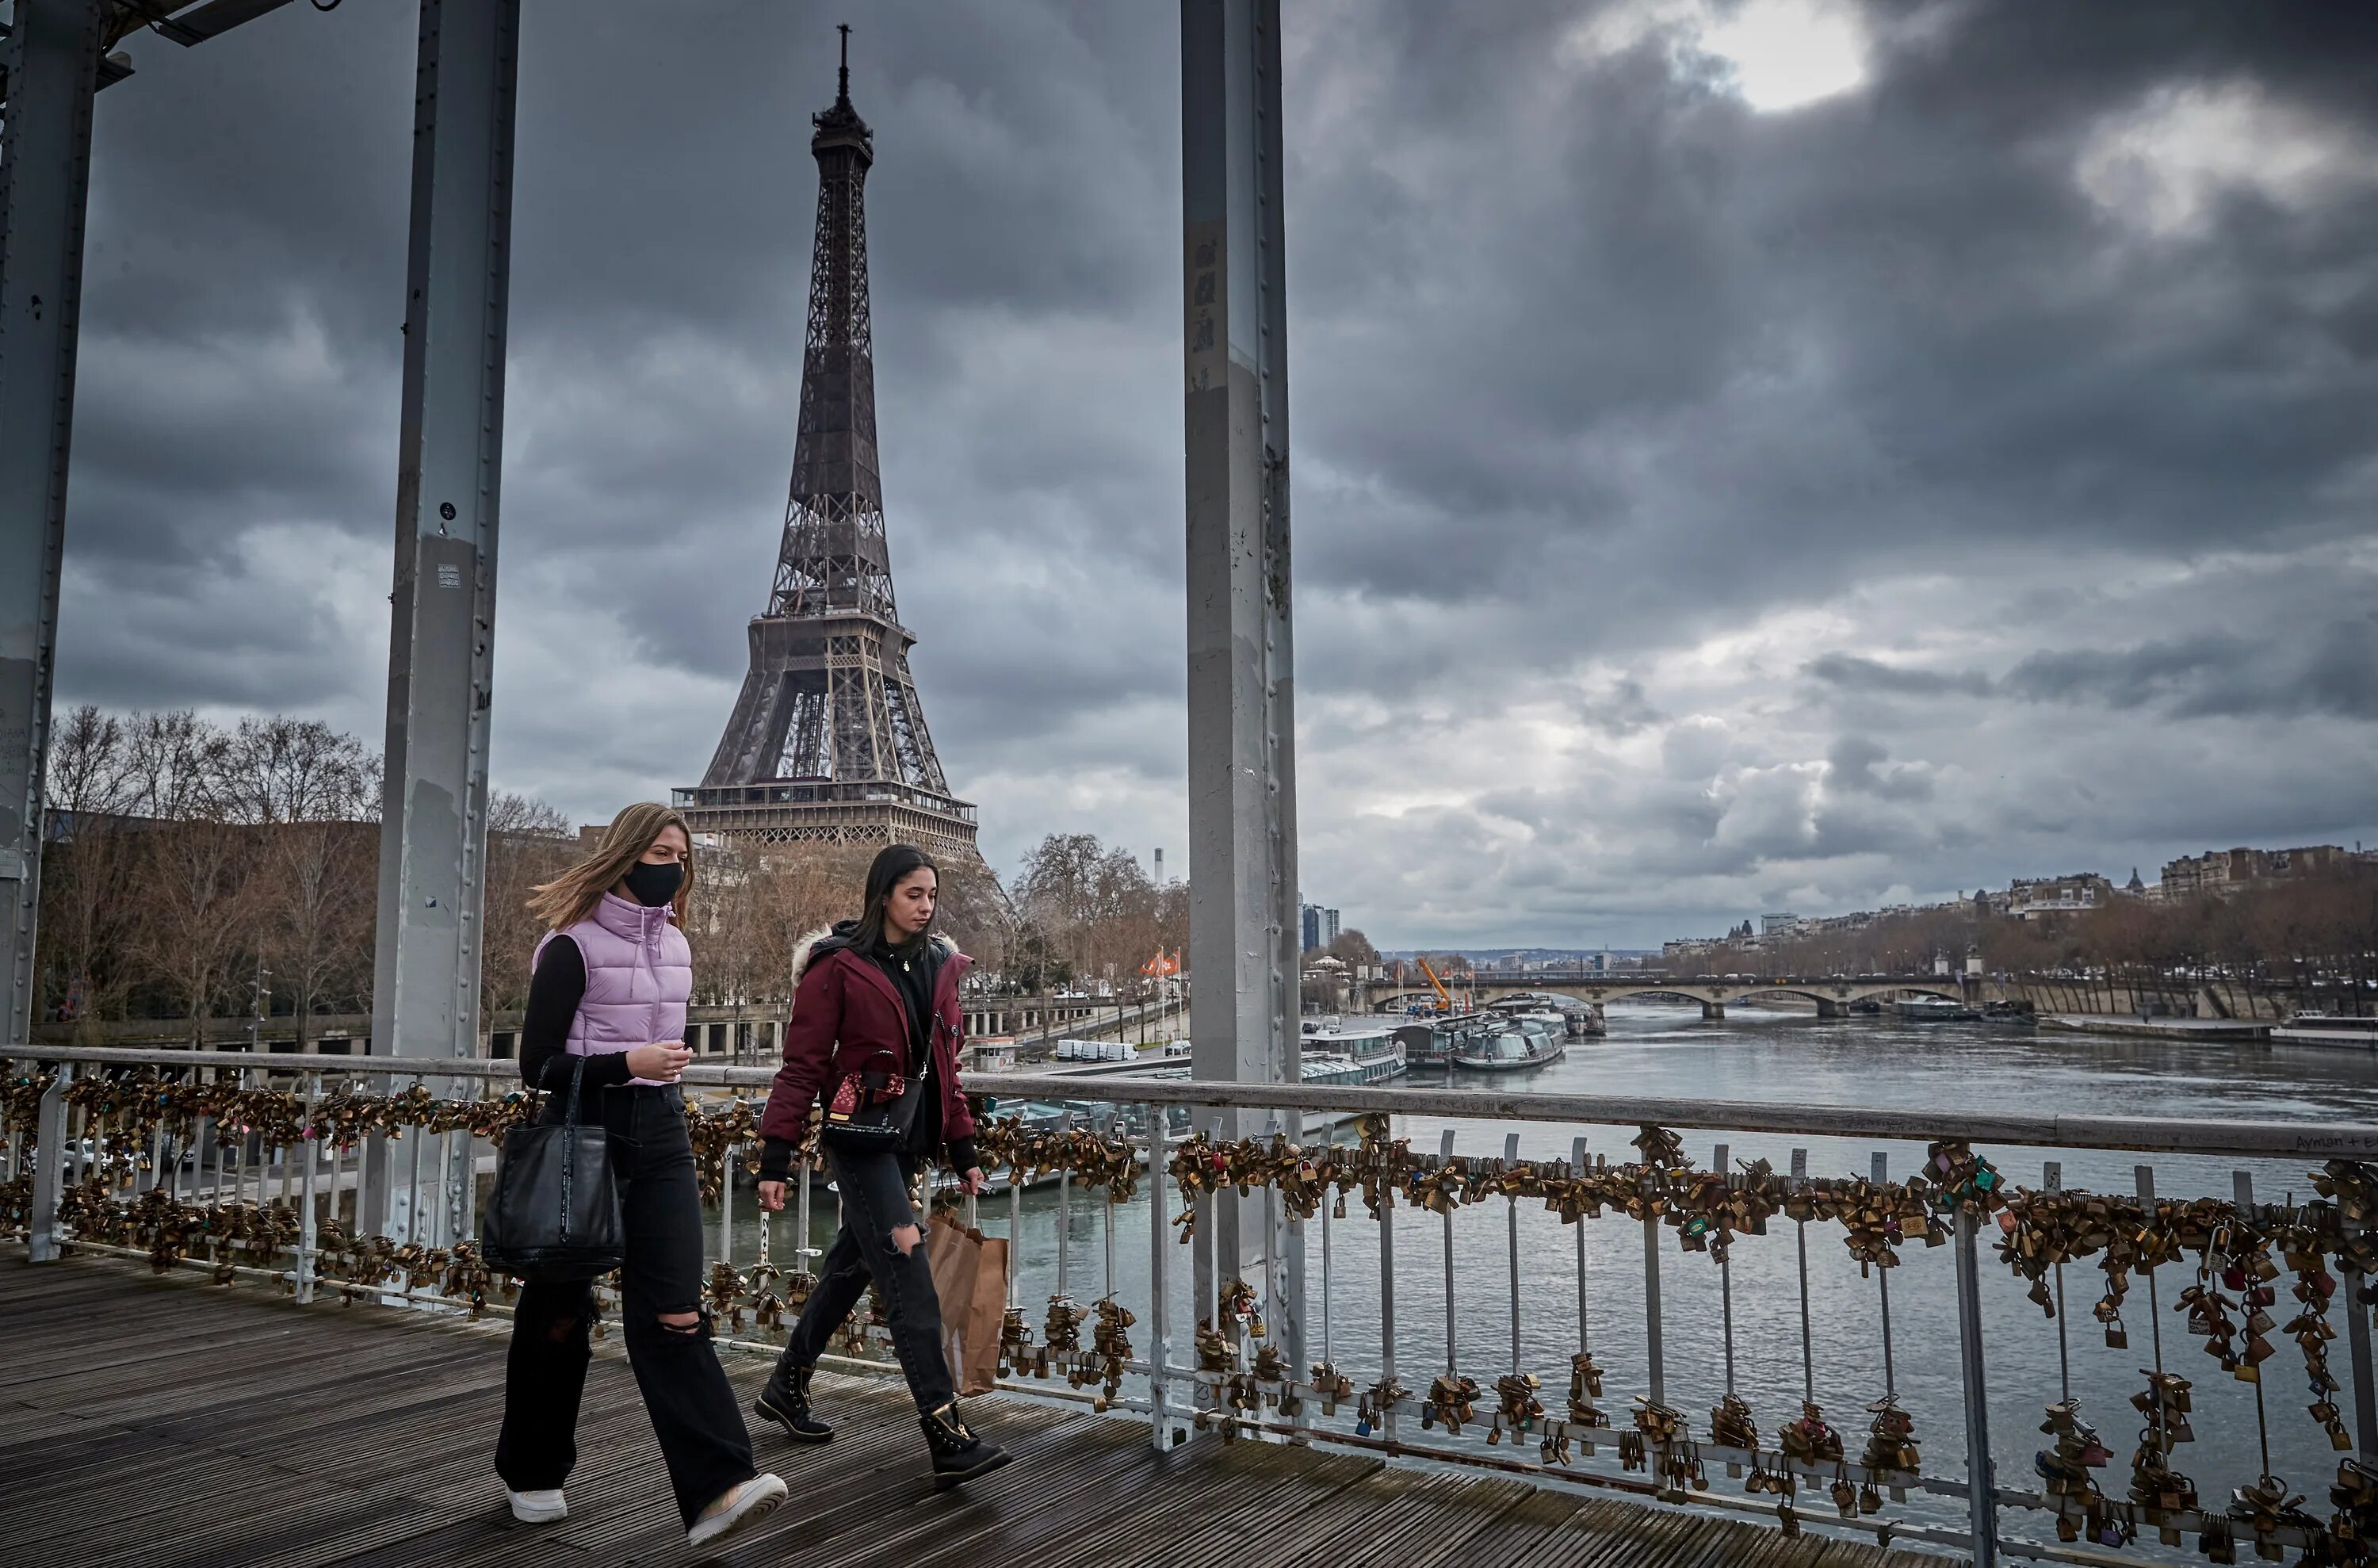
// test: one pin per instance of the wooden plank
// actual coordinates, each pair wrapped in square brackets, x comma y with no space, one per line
[171,1420]
[1519,1535]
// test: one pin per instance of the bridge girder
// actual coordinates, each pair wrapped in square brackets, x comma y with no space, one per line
[1706,991]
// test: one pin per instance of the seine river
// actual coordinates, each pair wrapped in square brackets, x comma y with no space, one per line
[1788,1057]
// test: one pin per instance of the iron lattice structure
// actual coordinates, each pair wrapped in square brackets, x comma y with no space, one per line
[827,743]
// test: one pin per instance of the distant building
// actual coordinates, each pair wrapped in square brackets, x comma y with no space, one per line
[2225,872]
[1779,924]
[2035,898]
[1320,927]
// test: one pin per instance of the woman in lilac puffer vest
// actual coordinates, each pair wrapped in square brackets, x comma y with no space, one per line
[606,1009]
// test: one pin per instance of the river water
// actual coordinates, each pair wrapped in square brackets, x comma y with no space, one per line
[1789,1057]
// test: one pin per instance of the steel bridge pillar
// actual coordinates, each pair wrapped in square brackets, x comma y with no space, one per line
[1243,914]
[52,61]
[449,459]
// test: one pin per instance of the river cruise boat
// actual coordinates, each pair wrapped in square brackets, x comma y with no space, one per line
[1524,1042]
[1562,1023]
[2327,1028]
[1371,1045]
[1432,1042]
[1574,1019]
[1936,1009]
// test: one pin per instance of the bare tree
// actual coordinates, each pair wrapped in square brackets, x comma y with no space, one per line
[528,842]
[87,903]
[1097,908]
[315,795]
[194,916]
[1354,949]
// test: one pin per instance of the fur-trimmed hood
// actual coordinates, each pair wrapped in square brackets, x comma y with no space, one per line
[828,939]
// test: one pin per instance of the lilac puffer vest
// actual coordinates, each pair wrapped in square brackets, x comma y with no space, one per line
[639,974]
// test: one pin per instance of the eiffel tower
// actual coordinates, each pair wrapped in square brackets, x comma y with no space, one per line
[827,743]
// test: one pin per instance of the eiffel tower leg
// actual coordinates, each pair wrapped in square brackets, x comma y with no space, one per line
[433,822]
[1243,924]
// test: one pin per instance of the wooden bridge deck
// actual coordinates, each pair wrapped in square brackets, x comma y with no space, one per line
[171,1424]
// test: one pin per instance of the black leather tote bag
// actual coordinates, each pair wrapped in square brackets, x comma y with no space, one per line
[556,1212]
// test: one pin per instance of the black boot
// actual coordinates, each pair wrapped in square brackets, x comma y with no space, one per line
[786,1401]
[958,1453]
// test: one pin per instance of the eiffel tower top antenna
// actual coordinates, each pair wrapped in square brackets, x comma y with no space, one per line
[844,29]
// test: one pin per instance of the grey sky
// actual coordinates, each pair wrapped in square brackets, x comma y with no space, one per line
[1749,456]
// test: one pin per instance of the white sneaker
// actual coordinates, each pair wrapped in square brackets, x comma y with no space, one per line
[747,1502]
[537,1507]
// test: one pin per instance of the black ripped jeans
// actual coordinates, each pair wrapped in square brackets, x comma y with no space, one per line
[694,1413]
[874,1189]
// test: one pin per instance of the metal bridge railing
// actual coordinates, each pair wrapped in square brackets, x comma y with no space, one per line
[243,1165]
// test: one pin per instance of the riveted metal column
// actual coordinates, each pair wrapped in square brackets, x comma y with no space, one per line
[52,60]
[433,823]
[1242,927]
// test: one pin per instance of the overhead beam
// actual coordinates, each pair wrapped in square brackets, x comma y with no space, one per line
[53,71]
[1242,926]
[433,822]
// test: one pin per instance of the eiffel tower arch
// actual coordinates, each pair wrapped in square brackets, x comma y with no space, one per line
[827,743]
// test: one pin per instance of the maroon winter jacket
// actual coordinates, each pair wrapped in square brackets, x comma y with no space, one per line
[845,1010]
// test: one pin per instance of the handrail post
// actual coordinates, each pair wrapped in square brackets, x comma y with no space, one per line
[1159,1344]
[1652,1346]
[1511,1224]
[726,1207]
[48,1168]
[312,1150]
[1452,1336]
[1980,1474]
[1388,1304]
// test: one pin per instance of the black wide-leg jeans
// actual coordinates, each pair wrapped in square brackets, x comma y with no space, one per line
[693,1409]
[874,1189]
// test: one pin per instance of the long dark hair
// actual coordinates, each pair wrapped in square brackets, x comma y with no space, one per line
[891,867]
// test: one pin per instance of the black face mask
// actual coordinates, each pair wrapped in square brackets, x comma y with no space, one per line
[653,885]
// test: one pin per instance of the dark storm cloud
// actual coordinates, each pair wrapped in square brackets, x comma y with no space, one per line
[1700,503]
[1853,764]
[1857,673]
[2329,669]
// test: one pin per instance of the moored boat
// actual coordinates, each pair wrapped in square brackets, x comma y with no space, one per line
[1376,1046]
[2310,1028]
[1432,1042]
[1936,1009]
[1525,1043]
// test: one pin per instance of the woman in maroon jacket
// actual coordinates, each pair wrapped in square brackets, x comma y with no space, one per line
[875,1031]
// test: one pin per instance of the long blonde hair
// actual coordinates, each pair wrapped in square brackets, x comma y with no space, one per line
[572,897]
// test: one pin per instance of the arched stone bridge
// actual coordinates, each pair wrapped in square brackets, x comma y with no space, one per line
[1834,997]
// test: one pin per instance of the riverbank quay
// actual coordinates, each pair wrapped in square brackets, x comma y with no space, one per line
[1469,1245]
[2205,1032]
[262,1433]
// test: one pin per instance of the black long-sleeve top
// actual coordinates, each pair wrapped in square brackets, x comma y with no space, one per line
[555,990]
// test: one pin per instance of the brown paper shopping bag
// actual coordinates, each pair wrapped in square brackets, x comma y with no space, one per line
[971,1278]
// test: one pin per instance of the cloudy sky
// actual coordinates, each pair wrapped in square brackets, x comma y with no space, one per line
[1784,454]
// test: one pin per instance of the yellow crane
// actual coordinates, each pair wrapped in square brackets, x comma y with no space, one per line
[1445,996]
